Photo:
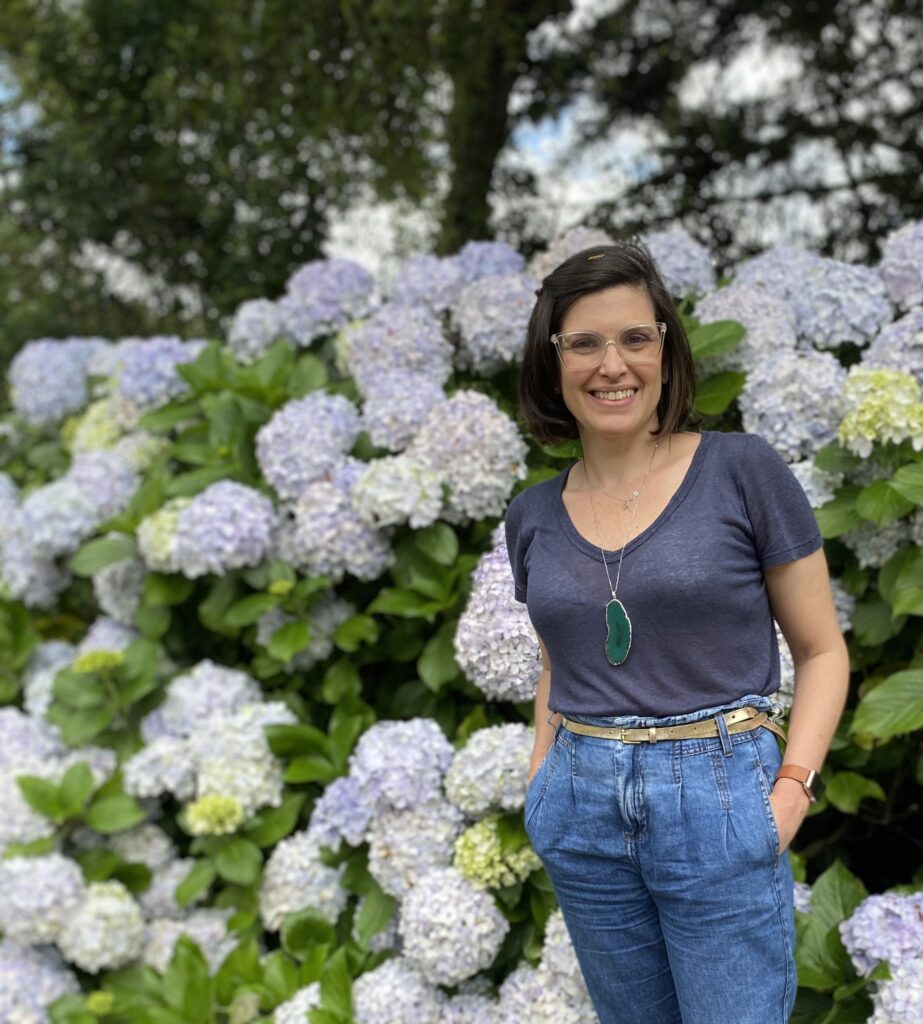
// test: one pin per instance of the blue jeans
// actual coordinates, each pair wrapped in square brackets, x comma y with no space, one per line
[665,861]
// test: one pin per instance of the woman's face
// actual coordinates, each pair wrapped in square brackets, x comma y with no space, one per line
[638,384]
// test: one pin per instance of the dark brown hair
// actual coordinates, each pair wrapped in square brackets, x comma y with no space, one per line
[625,263]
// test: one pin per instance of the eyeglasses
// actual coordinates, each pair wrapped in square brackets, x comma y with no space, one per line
[584,350]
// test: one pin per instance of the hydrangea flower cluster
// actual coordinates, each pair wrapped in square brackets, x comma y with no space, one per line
[901,266]
[882,407]
[900,999]
[833,302]
[398,489]
[450,929]
[884,927]
[873,545]
[389,419]
[487,259]
[489,772]
[491,316]
[495,643]
[899,346]
[256,325]
[206,928]
[305,440]
[340,814]
[296,1009]
[431,281]
[685,265]
[396,992]
[105,930]
[480,857]
[819,485]
[42,398]
[30,979]
[323,620]
[794,401]
[295,877]
[564,246]
[479,449]
[119,586]
[324,295]
[38,677]
[147,376]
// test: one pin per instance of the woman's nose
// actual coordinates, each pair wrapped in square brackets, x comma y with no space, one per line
[617,360]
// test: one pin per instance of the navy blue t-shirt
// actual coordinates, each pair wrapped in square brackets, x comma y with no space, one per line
[692,584]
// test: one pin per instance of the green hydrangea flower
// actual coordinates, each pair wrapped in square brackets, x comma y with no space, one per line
[884,406]
[214,815]
[95,429]
[480,858]
[157,536]
[98,661]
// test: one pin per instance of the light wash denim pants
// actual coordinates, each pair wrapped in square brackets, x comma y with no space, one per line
[664,860]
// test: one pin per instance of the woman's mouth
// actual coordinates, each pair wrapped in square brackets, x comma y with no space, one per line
[622,396]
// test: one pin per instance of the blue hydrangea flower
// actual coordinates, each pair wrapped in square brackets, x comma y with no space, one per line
[884,927]
[397,337]
[492,318]
[899,346]
[430,281]
[685,265]
[324,295]
[901,266]
[38,676]
[398,489]
[147,377]
[899,1000]
[395,992]
[489,773]
[478,448]
[295,878]
[305,439]
[48,378]
[396,406]
[256,325]
[564,246]
[487,259]
[340,814]
[226,526]
[31,979]
[834,302]
[794,401]
[38,895]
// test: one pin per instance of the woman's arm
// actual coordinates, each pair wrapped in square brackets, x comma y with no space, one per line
[802,604]
[544,732]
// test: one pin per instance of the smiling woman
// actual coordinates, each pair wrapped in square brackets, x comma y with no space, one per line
[658,800]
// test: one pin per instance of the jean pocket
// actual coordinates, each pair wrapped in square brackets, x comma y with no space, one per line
[766,770]
[538,782]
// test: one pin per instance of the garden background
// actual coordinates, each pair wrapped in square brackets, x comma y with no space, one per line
[265,274]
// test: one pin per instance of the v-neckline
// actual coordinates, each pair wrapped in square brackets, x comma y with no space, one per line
[588,547]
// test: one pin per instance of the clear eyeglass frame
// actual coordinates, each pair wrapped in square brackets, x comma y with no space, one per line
[626,353]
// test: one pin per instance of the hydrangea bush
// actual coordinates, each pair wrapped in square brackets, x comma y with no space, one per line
[267,719]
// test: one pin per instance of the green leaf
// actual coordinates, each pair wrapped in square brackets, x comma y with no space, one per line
[336,984]
[881,503]
[716,338]
[187,485]
[310,374]
[280,975]
[238,861]
[834,459]
[195,883]
[835,895]
[846,790]
[908,482]
[42,796]
[274,823]
[512,833]
[288,640]
[113,814]
[889,573]
[839,515]
[311,768]
[893,708]
[375,913]
[714,394]
[404,603]
[341,681]
[907,593]
[75,788]
[159,421]
[97,554]
[79,727]
[153,622]
[439,542]
[873,622]
[436,665]
[822,962]
[357,630]
[186,984]
[78,689]
[286,740]
[246,611]
[162,589]
[302,930]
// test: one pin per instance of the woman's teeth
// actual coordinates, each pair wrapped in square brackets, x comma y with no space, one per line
[613,396]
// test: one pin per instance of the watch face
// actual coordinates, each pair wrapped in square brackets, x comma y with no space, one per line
[815,785]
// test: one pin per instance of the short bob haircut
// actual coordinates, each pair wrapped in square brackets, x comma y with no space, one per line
[625,263]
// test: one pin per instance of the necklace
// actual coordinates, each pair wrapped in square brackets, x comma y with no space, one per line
[618,625]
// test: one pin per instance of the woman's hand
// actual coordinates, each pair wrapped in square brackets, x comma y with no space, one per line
[789,803]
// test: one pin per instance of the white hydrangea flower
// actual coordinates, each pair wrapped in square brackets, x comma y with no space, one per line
[899,346]
[489,773]
[146,844]
[165,765]
[39,674]
[105,931]
[495,642]
[118,588]
[845,605]
[31,979]
[480,451]
[157,534]
[295,877]
[559,969]
[206,928]
[450,929]
[803,895]
[159,899]
[886,926]
[405,844]
[819,485]
[395,992]
[398,489]
[873,545]
[296,1009]
[901,266]
[527,995]
[783,696]
[470,1009]
[38,895]
[491,316]
[900,1000]
[256,325]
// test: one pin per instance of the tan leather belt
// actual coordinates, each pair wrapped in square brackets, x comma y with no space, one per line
[738,720]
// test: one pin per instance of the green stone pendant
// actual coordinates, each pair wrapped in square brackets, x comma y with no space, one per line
[618,632]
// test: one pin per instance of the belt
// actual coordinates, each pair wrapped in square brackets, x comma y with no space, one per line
[738,720]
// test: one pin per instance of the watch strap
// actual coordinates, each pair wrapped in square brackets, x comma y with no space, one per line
[806,776]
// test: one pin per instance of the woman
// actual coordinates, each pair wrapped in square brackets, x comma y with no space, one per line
[652,570]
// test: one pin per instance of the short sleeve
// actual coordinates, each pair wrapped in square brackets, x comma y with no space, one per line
[516,545]
[783,522]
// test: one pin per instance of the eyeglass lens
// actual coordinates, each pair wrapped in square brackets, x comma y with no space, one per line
[586,348]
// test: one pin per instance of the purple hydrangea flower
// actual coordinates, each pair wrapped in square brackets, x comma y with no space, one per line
[340,813]
[397,337]
[148,376]
[397,405]
[256,325]
[305,439]
[684,264]
[48,378]
[884,927]
[324,295]
[492,318]
[901,266]
[430,281]
[226,526]
[564,246]
[487,259]
[899,346]
[31,979]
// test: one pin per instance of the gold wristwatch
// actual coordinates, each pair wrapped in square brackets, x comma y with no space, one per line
[810,779]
